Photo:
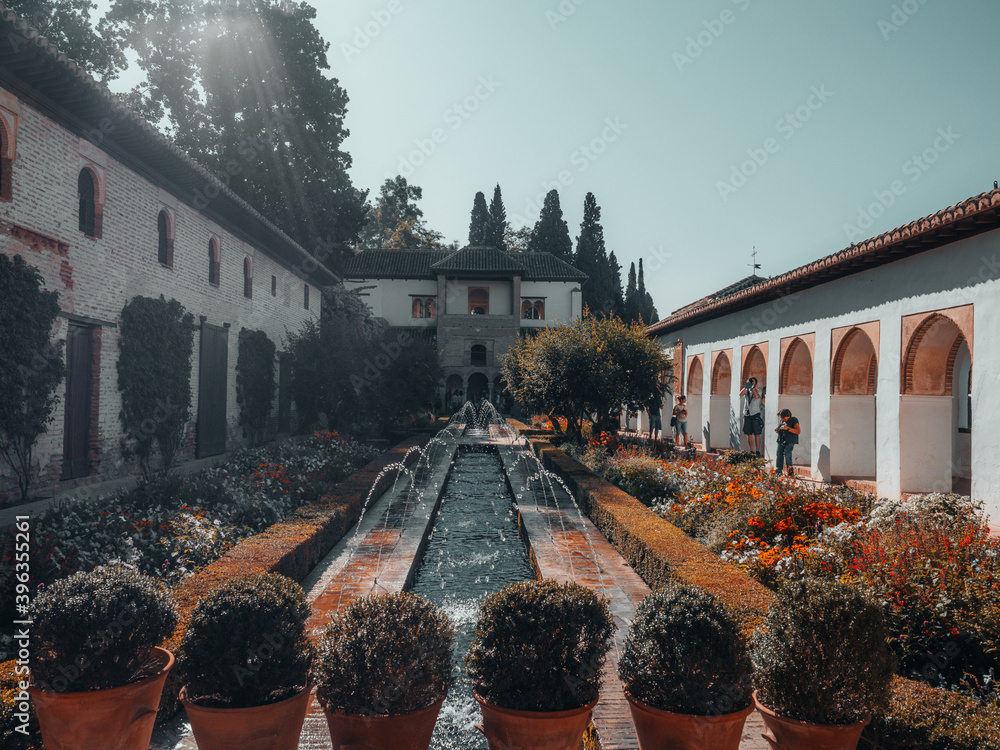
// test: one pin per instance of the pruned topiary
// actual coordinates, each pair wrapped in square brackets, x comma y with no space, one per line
[385,655]
[685,654]
[96,630]
[246,644]
[540,646]
[823,655]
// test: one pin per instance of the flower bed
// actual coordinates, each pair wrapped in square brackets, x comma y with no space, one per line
[174,526]
[920,717]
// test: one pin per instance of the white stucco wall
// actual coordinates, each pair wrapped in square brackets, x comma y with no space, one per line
[558,301]
[392,299]
[966,272]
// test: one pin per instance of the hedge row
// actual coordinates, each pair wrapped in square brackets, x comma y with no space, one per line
[920,717]
[292,548]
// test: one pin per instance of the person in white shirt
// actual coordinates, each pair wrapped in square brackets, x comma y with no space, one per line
[753,415]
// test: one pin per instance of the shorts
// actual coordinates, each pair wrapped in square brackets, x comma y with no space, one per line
[753,424]
[655,423]
[681,428]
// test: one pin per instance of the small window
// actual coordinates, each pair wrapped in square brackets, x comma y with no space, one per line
[6,164]
[479,301]
[247,278]
[418,308]
[214,264]
[305,296]
[88,203]
[274,286]
[533,309]
[478,355]
[165,243]
[423,307]
[431,307]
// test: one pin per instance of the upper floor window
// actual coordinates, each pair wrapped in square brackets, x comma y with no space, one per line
[533,309]
[424,307]
[164,240]
[274,286]
[214,262]
[479,355]
[305,296]
[247,278]
[6,164]
[88,203]
[479,301]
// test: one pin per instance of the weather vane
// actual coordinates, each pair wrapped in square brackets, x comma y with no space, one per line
[755,265]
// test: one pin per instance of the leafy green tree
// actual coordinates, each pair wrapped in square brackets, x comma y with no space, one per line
[589,370]
[480,218]
[633,310]
[516,240]
[68,26]
[255,384]
[496,225]
[396,222]
[154,377]
[241,87]
[31,365]
[400,377]
[551,233]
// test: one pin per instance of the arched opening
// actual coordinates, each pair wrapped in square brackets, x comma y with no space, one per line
[418,308]
[720,414]
[479,387]
[852,407]
[164,240]
[478,355]
[430,308]
[795,387]
[214,262]
[934,455]
[479,301]
[6,164]
[87,190]
[695,387]
[754,366]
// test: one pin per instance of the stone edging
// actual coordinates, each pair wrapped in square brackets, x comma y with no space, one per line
[920,717]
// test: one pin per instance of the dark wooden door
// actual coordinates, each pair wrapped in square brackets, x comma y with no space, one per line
[212,390]
[284,393]
[79,381]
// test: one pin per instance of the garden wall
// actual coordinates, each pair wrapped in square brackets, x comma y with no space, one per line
[920,717]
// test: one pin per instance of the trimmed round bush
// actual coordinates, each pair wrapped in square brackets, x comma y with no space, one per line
[685,654]
[823,654]
[246,644]
[385,655]
[540,646]
[96,630]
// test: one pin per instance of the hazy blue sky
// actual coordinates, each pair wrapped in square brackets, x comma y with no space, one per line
[661,109]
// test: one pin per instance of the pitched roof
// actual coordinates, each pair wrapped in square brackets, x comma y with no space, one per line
[974,216]
[740,285]
[480,259]
[427,264]
[66,93]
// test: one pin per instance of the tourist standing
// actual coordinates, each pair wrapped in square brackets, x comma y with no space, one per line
[655,423]
[753,415]
[788,437]
[680,423]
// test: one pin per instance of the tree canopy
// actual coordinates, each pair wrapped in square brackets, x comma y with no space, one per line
[478,221]
[551,233]
[589,370]
[496,224]
[602,293]
[395,222]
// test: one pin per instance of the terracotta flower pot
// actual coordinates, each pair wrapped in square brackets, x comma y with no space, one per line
[118,718]
[534,730]
[276,726]
[791,734]
[410,731]
[665,730]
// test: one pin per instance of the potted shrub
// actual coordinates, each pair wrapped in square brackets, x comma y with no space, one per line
[383,669]
[244,661]
[96,666]
[822,666]
[686,672]
[535,663]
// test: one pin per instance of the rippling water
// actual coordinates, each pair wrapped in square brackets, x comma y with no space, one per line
[474,550]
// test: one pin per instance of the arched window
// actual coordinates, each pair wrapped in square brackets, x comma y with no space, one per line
[418,307]
[248,280]
[431,308]
[165,242]
[6,164]
[214,264]
[479,301]
[533,309]
[305,296]
[88,203]
[478,355]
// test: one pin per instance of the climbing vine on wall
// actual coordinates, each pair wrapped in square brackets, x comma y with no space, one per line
[154,377]
[255,384]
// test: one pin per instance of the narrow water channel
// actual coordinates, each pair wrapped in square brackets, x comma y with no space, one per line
[475,550]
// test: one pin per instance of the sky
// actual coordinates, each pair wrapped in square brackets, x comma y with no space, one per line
[704,129]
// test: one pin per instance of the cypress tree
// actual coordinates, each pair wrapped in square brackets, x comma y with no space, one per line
[496,222]
[480,217]
[632,312]
[551,233]
[646,306]
[614,284]
[589,249]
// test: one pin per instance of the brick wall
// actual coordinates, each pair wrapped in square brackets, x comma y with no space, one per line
[95,277]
